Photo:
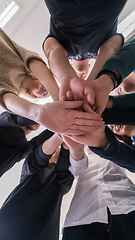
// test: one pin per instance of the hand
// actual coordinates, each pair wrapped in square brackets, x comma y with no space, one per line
[62,117]
[70,143]
[97,92]
[74,86]
[96,138]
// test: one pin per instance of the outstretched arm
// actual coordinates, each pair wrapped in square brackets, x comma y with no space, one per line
[60,116]
[104,143]
[78,158]
[66,75]
[61,68]
[122,64]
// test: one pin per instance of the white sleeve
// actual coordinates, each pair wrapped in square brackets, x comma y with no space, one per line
[78,167]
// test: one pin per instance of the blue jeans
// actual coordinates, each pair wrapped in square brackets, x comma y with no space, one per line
[119,227]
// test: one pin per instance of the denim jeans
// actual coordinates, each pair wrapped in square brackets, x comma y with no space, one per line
[119,227]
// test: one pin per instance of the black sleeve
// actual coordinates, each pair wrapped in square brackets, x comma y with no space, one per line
[35,162]
[35,142]
[64,176]
[8,119]
[118,152]
[119,116]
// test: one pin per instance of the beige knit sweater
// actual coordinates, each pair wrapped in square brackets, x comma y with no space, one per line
[13,64]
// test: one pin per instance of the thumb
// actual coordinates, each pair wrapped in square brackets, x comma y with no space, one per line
[63,92]
[90,94]
[91,98]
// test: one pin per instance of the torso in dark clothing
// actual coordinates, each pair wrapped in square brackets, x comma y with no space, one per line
[32,210]
[13,143]
[82,26]
[38,204]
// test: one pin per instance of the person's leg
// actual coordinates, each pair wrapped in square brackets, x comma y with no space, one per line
[122,226]
[93,231]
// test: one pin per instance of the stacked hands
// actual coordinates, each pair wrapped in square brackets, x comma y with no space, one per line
[81,104]
[77,113]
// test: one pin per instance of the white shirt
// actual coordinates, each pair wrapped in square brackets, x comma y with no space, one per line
[101,183]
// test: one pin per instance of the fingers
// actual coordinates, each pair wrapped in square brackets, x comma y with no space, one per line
[73,104]
[62,93]
[87,108]
[73,132]
[86,128]
[70,96]
[90,94]
[88,122]
[86,115]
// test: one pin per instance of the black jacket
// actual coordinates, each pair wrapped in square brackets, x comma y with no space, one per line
[13,143]
[32,210]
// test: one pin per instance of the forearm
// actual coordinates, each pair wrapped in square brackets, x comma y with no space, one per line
[107,50]
[51,144]
[119,116]
[102,143]
[35,162]
[58,60]
[77,154]
[64,176]
[124,101]
[45,76]
[105,83]
[118,152]
[123,61]
[40,139]
[20,106]
[78,168]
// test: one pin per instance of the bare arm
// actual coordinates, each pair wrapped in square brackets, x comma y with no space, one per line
[57,59]
[78,159]
[45,76]
[76,149]
[96,93]
[61,68]
[50,145]
[60,116]
[99,89]
[107,50]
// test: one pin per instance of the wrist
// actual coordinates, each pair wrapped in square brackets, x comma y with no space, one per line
[77,154]
[50,145]
[104,142]
[106,82]
[113,75]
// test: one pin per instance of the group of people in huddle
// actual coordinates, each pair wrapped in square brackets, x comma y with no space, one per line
[89,133]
